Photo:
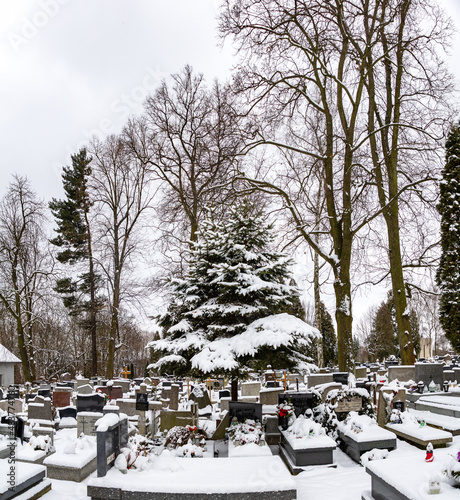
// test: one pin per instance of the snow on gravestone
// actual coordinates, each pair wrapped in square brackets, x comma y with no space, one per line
[200,396]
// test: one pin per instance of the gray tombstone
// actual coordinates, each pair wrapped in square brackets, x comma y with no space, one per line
[250,389]
[85,389]
[427,372]
[270,396]
[319,378]
[40,409]
[174,397]
[200,396]
[403,373]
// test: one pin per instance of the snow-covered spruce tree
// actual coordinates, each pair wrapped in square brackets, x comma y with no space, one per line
[230,312]
[448,275]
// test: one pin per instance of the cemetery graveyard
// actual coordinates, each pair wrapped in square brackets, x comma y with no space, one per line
[155,438]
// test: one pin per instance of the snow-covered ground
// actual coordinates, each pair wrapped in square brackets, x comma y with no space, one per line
[346,482]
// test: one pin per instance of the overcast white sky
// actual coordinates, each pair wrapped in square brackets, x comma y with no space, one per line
[71,68]
[74,67]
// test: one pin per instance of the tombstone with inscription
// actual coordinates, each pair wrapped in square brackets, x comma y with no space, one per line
[245,411]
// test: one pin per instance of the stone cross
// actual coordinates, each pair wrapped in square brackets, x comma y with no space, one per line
[141,421]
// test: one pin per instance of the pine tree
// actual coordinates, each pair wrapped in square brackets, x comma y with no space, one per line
[230,313]
[74,238]
[448,275]
[381,343]
[329,337]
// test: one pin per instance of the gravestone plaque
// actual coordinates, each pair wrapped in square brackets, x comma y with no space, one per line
[345,405]
[271,384]
[166,383]
[399,405]
[13,392]
[142,402]
[340,377]
[90,402]
[301,401]
[225,393]
[244,411]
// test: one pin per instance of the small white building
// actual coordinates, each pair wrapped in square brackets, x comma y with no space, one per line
[7,362]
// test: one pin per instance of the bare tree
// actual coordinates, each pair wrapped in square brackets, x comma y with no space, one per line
[25,264]
[122,194]
[330,77]
[188,138]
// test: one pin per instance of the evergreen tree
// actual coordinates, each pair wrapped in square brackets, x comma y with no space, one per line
[448,275]
[74,239]
[381,342]
[230,312]
[329,337]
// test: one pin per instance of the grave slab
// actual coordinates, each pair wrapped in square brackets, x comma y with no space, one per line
[201,479]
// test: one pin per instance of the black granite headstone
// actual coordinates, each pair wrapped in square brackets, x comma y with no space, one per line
[109,443]
[18,426]
[44,393]
[30,397]
[65,384]
[340,378]
[67,412]
[90,402]
[13,392]
[166,383]
[301,401]
[272,384]
[225,393]
[244,411]
[139,381]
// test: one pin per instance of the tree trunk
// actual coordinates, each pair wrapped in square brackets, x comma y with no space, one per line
[113,328]
[399,290]
[319,345]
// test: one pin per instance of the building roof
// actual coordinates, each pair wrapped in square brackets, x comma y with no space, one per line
[7,356]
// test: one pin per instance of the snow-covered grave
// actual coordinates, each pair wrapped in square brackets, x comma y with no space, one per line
[446,423]
[74,459]
[442,404]
[305,443]
[411,478]
[23,481]
[410,429]
[360,434]
[264,478]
